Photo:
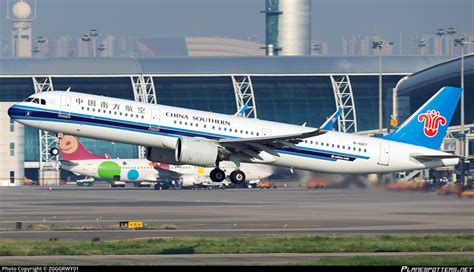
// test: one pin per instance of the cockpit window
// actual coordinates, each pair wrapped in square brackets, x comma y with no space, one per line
[36,100]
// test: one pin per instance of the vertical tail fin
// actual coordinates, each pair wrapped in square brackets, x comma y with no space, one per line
[71,149]
[428,125]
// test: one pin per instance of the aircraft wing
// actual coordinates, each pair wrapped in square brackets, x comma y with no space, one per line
[434,157]
[251,147]
[69,163]
[291,138]
[165,172]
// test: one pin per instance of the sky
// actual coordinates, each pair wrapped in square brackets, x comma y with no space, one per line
[242,18]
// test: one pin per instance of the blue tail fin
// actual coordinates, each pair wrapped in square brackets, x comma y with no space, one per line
[427,126]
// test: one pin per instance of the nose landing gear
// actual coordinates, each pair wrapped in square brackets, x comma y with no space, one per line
[54,151]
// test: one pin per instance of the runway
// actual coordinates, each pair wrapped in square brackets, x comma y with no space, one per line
[209,259]
[69,212]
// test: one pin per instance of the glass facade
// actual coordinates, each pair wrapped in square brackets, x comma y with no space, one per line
[271,22]
[421,93]
[294,100]
[366,98]
[15,88]
[214,94]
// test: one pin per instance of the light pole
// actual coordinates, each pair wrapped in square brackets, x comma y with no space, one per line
[462,137]
[316,47]
[422,45]
[440,33]
[451,32]
[40,41]
[379,45]
[86,38]
[94,33]
[101,48]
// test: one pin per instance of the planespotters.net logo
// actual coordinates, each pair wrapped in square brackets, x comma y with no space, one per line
[436,269]
[431,119]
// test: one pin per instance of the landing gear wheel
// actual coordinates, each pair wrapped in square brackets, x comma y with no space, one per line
[237,177]
[217,175]
[54,151]
[59,135]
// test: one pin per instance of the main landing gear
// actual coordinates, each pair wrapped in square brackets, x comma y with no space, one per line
[237,176]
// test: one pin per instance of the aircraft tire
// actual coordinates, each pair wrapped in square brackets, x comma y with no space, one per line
[54,151]
[237,177]
[217,175]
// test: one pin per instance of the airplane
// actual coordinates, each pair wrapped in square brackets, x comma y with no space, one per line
[80,161]
[183,136]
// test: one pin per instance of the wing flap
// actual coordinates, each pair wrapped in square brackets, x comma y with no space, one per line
[292,138]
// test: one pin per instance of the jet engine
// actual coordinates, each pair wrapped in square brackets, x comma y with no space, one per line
[196,151]
[163,155]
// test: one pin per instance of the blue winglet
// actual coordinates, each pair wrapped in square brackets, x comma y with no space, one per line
[242,110]
[329,124]
[428,125]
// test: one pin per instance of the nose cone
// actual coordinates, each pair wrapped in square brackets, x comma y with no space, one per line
[11,112]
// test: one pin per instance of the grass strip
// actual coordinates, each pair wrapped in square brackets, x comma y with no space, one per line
[244,244]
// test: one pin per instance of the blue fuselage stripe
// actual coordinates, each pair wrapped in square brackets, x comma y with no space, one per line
[28,113]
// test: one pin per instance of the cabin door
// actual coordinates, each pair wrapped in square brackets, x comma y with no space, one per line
[384,154]
[65,108]
[155,119]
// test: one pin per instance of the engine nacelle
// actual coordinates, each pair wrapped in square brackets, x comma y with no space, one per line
[163,155]
[196,151]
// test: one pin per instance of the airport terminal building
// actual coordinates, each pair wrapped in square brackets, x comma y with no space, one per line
[297,90]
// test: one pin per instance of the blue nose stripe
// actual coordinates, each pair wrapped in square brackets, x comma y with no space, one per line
[17,112]
[13,112]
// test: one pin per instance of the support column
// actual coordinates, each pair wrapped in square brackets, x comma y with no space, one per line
[342,88]
[48,165]
[143,91]
[244,95]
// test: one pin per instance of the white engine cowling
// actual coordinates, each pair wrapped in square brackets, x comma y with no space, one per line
[163,155]
[196,151]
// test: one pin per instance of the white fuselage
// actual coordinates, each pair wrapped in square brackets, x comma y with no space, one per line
[160,126]
[129,170]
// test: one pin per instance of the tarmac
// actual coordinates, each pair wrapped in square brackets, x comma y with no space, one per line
[69,212]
